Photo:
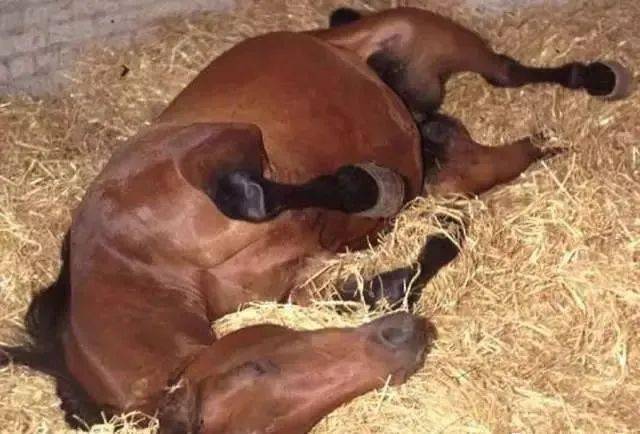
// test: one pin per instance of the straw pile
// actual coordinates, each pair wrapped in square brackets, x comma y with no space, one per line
[538,319]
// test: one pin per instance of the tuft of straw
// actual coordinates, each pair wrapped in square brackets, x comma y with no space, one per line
[537,319]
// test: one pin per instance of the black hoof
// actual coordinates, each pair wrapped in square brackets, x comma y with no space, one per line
[240,196]
[608,80]
[388,288]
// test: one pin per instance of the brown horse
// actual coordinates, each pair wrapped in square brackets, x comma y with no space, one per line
[288,146]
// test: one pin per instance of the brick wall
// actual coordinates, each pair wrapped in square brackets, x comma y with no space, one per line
[39,38]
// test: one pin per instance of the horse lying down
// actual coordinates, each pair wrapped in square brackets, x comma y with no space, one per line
[286,147]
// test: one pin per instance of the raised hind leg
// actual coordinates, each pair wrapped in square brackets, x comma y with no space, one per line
[415,51]
[608,80]
[364,189]
[455,163]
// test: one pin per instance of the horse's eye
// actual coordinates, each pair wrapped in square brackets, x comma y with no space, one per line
[259,367]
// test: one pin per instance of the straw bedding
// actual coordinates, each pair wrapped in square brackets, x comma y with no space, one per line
[539,317]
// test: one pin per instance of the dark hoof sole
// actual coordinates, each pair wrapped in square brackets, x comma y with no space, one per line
[391,191]
[608,80]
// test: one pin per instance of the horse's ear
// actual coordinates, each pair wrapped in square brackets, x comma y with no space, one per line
[219,148]
[179,411]
[342,16]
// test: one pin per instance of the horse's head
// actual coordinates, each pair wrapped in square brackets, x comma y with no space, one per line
[286,381]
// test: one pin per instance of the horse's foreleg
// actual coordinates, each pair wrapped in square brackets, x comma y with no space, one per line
[406,283]
[364,189]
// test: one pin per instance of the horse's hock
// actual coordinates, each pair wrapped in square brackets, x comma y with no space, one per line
[41,38]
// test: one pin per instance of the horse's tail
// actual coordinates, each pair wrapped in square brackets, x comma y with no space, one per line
[42,322]
[342,16]
[44,352]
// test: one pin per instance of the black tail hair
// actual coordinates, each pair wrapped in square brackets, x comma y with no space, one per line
[342,16]
[43,323]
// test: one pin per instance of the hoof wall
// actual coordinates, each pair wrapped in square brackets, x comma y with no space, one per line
[391,191]
[622,80]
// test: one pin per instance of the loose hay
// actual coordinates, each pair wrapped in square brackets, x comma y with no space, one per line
[537,320]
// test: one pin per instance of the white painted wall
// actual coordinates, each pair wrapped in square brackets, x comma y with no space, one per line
[39,38]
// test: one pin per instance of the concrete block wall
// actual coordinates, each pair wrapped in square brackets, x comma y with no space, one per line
[40,38]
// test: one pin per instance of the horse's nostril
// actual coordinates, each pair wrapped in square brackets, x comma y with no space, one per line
[397,335]
[402,330]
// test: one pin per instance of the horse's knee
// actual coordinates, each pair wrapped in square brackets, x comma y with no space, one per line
[440,129]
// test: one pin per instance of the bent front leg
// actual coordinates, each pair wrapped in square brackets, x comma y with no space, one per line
[364,189]
[405,284]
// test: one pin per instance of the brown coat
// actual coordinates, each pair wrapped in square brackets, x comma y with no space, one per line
[154,261]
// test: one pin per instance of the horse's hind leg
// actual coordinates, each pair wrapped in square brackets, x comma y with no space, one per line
[364,189]
[415,51]
[608,80]
[455,163]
